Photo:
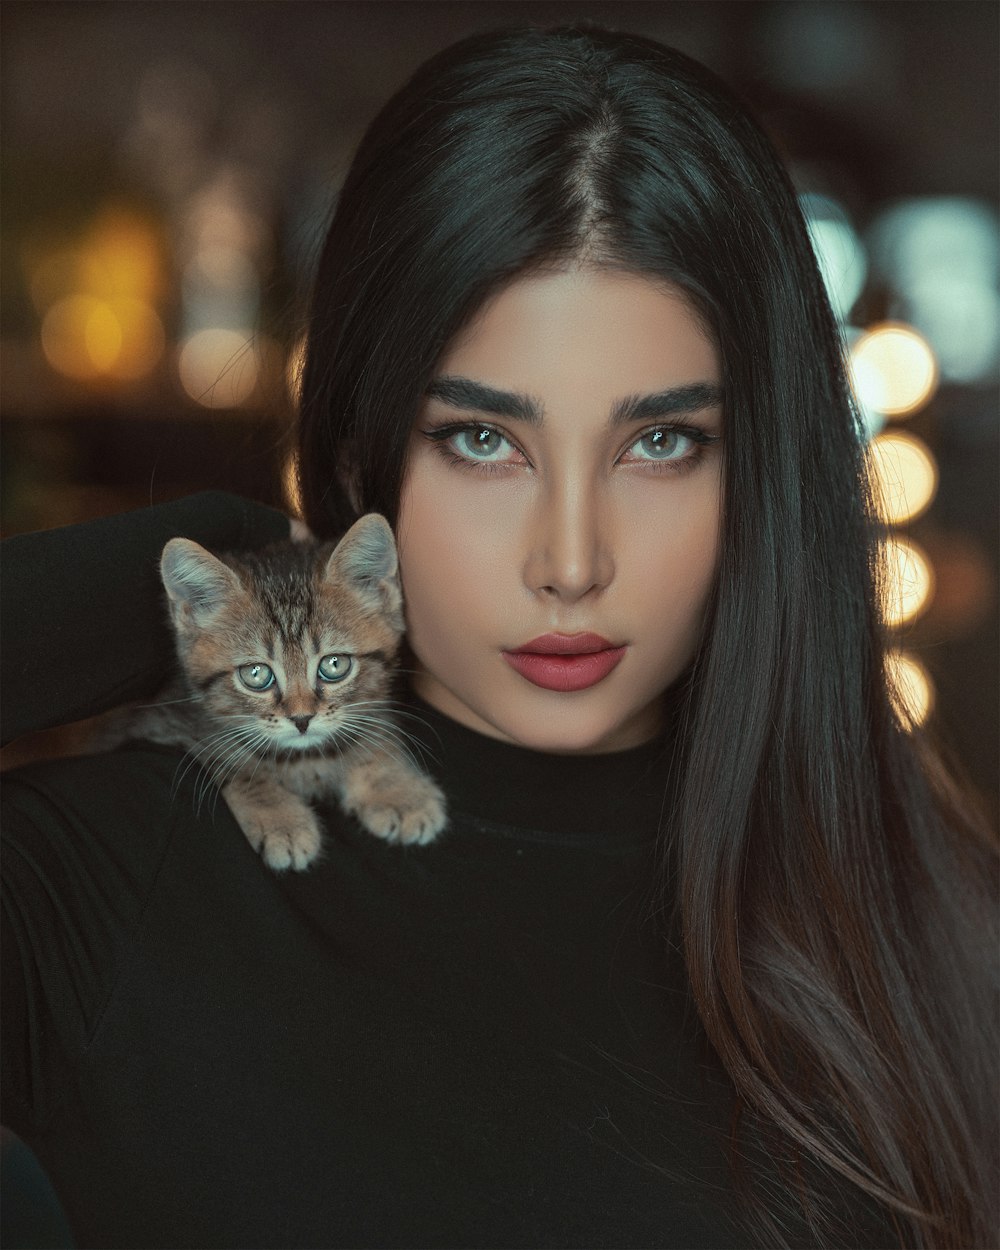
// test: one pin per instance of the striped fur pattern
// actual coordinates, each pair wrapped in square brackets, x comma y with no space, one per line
[287,657]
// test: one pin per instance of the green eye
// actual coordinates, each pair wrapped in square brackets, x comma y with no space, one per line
[255,676]
[335,667]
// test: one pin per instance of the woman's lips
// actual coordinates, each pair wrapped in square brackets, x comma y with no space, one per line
[565,662]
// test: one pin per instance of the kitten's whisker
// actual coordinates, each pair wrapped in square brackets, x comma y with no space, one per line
[405,713]
[236,752]
[232,761]
[378,728]
[213,753]
[267,744]
[372,737]
[209,746]
[389,709]
[389,733]
[395,710]
[137,707]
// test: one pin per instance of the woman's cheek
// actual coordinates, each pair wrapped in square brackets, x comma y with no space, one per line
[667,555]
[456,541]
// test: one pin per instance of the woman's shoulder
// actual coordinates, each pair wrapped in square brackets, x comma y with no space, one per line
[126,819]
[91,816]
[131,782]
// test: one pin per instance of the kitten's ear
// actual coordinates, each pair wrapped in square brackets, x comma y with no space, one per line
[197,583]
[366,559]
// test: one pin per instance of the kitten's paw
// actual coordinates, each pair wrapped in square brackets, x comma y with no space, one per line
[401,825]
[285,846]
[412,812]
[290,848]
[393,800]
[281,828]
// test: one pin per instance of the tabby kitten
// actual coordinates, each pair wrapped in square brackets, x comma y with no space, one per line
[286,663]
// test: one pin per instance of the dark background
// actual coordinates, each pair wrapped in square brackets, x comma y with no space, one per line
[137,108]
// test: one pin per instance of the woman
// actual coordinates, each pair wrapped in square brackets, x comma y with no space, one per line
[699,960]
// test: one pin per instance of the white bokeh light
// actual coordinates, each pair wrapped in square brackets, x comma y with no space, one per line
[893,369]
[940,256]
[839,251]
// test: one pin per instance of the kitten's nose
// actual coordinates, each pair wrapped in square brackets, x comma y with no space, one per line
[301,723]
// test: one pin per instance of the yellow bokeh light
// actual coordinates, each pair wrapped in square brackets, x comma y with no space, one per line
[905,476]
[102,336]
[910,688]
[909,581]
[893,369]
[127,250]
[143,339]
[88,338]
[55,274]
[67,335]
[95,296]
[218,368]
[120,256]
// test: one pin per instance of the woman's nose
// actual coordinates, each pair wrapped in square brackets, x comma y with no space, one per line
[569,548]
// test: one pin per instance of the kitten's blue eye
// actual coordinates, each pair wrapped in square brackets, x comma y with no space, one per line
[255,676]
[335,667]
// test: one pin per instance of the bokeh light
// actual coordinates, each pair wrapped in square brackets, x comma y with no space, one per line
[893,369]
[941,257]
[96,298]
[87,338]
[128,251]
[840,253]
[872,420]
[218,368]
[58,273]
[908,580]
[911,690]
[904,474]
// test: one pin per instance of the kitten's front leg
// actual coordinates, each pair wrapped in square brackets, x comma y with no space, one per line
[278,824]
[392,799]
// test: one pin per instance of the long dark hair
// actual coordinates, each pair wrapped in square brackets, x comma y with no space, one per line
[833,896]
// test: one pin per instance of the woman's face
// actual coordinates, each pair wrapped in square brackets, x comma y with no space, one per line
[564,479]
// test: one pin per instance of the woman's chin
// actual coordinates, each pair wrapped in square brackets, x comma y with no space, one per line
[569,732]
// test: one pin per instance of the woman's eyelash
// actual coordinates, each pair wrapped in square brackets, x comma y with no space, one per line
[441,435]
[697,437]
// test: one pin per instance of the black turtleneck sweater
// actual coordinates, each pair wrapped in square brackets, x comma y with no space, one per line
[484,1042]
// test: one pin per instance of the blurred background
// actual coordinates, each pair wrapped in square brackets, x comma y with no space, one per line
[169,169]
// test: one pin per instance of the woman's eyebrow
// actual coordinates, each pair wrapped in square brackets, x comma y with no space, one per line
[465,393]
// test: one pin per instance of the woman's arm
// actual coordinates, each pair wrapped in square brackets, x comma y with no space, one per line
[83,624]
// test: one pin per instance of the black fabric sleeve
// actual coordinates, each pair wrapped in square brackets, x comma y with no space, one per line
[83,624]
[83,840]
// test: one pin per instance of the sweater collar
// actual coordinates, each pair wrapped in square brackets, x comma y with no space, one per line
[619,798]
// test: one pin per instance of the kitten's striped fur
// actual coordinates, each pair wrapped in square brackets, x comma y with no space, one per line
[296,611]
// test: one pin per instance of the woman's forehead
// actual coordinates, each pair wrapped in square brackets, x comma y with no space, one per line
[602,334]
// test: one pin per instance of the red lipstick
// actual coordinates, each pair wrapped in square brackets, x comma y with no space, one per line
[565,662]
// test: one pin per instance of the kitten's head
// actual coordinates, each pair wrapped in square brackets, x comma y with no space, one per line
[294,643]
